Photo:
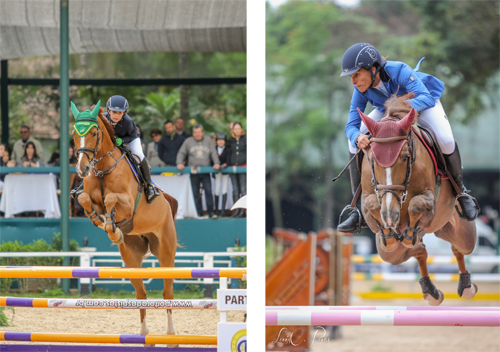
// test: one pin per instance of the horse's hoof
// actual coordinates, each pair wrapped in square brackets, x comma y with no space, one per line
[390,244]
[409,243]
[432,301]
[469,292]
[118,241]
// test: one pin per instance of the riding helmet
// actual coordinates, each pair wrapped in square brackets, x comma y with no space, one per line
[361,55]
[117,103]
[221,136]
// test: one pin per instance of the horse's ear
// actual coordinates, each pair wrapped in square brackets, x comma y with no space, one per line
[370,123]
[95,112]
[74,110]
[407,121]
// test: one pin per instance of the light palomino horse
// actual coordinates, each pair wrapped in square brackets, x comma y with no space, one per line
[400,201]
[114,202]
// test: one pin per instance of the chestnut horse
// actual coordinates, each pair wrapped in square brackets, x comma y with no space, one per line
[401,201]
[138,228]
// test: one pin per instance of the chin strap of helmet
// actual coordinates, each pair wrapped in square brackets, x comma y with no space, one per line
[374,74]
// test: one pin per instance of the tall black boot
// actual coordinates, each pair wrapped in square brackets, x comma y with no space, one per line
[216,204]
[222,212]
[150,190]
[236,212]
[469,205]
[352,223]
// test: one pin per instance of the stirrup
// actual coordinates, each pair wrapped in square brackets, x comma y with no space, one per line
[76,191]
[461,214]
[352,209]
[149,199]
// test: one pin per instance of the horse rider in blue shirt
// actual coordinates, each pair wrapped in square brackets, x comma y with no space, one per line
[127,134]
[375,80]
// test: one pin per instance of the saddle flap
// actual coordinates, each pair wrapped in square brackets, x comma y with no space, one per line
[431,141]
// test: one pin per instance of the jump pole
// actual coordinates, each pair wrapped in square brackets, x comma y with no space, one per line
[87,303]
[60,272]
[413,308]
[100,348]
[382,317]
[107,338]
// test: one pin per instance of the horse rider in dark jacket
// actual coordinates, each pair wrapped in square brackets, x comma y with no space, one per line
[126,133]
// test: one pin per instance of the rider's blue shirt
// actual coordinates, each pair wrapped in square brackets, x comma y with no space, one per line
[397,77]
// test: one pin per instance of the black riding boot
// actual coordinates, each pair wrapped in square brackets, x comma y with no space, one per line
[151,192]
[470,208]
[222,212]
[236,212]
[351,224]
[216,204]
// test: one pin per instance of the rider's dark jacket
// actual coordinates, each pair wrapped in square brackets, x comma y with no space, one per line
[125,128]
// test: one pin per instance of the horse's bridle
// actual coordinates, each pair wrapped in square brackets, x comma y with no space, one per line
[410,160]
[93,161]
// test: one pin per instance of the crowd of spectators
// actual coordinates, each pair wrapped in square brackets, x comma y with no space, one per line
[174,147]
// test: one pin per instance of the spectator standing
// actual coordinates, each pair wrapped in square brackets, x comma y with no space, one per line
[221,180]
[200,151]
[30,157]
[153,147]
[144,142]
[169,145]
[179,128]
[238,157]
[20,145]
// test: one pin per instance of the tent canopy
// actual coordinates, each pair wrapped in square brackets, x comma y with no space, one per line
[31,27]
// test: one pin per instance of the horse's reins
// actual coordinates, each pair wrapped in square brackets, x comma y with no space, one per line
[93,163]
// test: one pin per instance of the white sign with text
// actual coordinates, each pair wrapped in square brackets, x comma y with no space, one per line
[233,299]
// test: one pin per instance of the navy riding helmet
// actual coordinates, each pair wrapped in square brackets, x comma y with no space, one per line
[361,55]
[117,103]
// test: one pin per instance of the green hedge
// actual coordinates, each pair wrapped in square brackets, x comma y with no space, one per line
[39,245]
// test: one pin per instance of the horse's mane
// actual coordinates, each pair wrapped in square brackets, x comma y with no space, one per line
[109,128]
[399,107]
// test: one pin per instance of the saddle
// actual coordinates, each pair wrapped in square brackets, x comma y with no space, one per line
[133,163]
[429,138]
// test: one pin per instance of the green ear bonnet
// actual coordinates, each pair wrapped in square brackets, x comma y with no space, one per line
[85,120]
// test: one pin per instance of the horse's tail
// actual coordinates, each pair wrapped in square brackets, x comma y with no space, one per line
[174,204]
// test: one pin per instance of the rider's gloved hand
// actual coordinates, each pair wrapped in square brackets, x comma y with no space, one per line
[119,141]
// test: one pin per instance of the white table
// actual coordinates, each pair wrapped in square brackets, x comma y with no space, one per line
[30,192]
[180,188]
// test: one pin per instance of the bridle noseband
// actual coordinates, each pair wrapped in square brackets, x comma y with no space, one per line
[410,160]
[93,161]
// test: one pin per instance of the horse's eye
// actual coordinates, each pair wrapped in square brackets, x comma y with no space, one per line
[94,134]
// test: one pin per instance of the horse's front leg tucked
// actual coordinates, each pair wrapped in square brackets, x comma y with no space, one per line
[374,221]
[421,212]
[91,210]
[114,202]
[430,292]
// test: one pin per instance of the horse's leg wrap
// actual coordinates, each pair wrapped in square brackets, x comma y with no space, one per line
[413,238]
[466,288]
[429,288]
[111,215]
[93,216]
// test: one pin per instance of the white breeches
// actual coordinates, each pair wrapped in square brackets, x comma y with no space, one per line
[221,182]
[434,119]
[135,147]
